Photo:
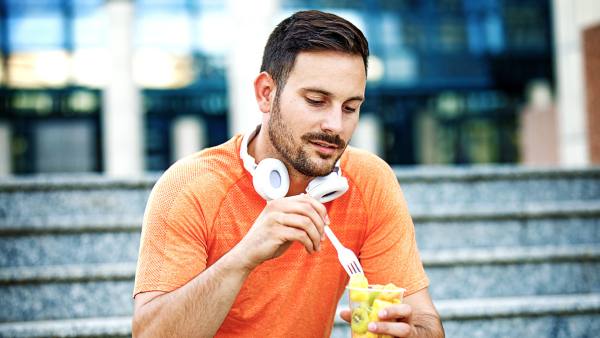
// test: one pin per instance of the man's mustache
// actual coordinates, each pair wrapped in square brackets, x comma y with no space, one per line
[333,139]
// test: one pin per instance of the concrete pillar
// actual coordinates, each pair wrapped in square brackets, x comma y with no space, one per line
[570,18]
[5,151]
[253,24]
[122,120]
[189,136]
[369,134]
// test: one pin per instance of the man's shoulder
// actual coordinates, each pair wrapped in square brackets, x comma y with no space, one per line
[357,161]
[367,171]
[211,170]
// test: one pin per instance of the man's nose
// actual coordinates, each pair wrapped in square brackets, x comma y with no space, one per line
[332,122]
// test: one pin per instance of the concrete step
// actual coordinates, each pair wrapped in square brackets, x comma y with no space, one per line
[69,248]
[105,289]
[110,327]
[510,187]
[516,271]
[511,271]
[106,239]
[72,291]
[543,224]
[539,316]
[46,199]
[41,200]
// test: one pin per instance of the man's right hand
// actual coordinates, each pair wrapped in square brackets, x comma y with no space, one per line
[285,220]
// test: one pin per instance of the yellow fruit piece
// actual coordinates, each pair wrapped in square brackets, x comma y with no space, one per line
[359,296]
[358,281]
[389,295]
[372,335]
[380,304]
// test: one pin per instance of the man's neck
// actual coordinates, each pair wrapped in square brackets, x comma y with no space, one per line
[260,147]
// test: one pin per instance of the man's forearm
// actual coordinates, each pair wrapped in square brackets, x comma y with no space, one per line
[427,325]
[198,308]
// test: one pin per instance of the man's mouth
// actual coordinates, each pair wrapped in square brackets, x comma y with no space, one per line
[324,144]
[324,148]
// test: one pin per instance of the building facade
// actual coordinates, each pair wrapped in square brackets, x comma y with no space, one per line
[124,87]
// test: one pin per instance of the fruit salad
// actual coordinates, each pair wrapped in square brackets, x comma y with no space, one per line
[366,301]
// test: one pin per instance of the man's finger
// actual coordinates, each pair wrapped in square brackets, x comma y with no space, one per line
[293,234]
[307,206]
[395,312]
[396,329]
[303,223]
[345,314]
[320,208]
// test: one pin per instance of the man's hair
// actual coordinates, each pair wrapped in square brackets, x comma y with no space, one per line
[310,31]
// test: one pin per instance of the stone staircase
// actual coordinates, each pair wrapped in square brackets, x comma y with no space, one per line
[510,252]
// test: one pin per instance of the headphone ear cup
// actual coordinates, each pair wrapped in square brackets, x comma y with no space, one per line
[271,179]
[327,188]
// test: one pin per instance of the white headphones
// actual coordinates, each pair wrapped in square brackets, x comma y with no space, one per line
[271,179]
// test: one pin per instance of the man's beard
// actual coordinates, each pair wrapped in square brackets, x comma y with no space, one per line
[281,137]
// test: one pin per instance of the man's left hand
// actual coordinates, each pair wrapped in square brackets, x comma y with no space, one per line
[395,320]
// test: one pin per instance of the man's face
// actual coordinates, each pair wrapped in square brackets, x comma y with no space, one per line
[313,117]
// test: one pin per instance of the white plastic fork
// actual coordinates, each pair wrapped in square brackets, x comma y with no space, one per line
[346,257]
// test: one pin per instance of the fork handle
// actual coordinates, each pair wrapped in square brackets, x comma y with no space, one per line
[336,243]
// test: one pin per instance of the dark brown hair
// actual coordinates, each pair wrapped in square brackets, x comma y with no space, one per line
[310,31]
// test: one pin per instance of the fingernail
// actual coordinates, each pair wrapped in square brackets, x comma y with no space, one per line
[372,327]
[382,314]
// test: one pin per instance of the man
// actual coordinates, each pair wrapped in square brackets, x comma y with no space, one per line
[217,259]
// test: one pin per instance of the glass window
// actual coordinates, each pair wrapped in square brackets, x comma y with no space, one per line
[36,31]
[168,29]
[64,146]
[391,33]
[90,28]
[452,35]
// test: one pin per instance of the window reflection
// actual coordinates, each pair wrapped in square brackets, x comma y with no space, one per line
[35,30]
[38,69]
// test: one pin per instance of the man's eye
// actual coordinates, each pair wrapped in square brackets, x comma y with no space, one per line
[350,109]
[314,102]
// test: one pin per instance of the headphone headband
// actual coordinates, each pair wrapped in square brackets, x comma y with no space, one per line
[247,159]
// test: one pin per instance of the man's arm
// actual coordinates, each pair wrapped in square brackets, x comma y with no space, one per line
[415,317]
[199,307]
[196,309]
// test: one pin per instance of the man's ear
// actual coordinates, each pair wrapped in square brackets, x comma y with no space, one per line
[264,90]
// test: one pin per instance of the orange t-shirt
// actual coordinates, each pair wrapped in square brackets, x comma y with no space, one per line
[203,206]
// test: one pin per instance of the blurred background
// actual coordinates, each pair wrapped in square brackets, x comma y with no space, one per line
[124,87]
[488,111]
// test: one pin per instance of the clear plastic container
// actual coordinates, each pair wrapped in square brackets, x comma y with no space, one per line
[365,304]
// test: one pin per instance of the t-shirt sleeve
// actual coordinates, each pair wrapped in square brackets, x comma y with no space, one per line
[173,243]
[390,253]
